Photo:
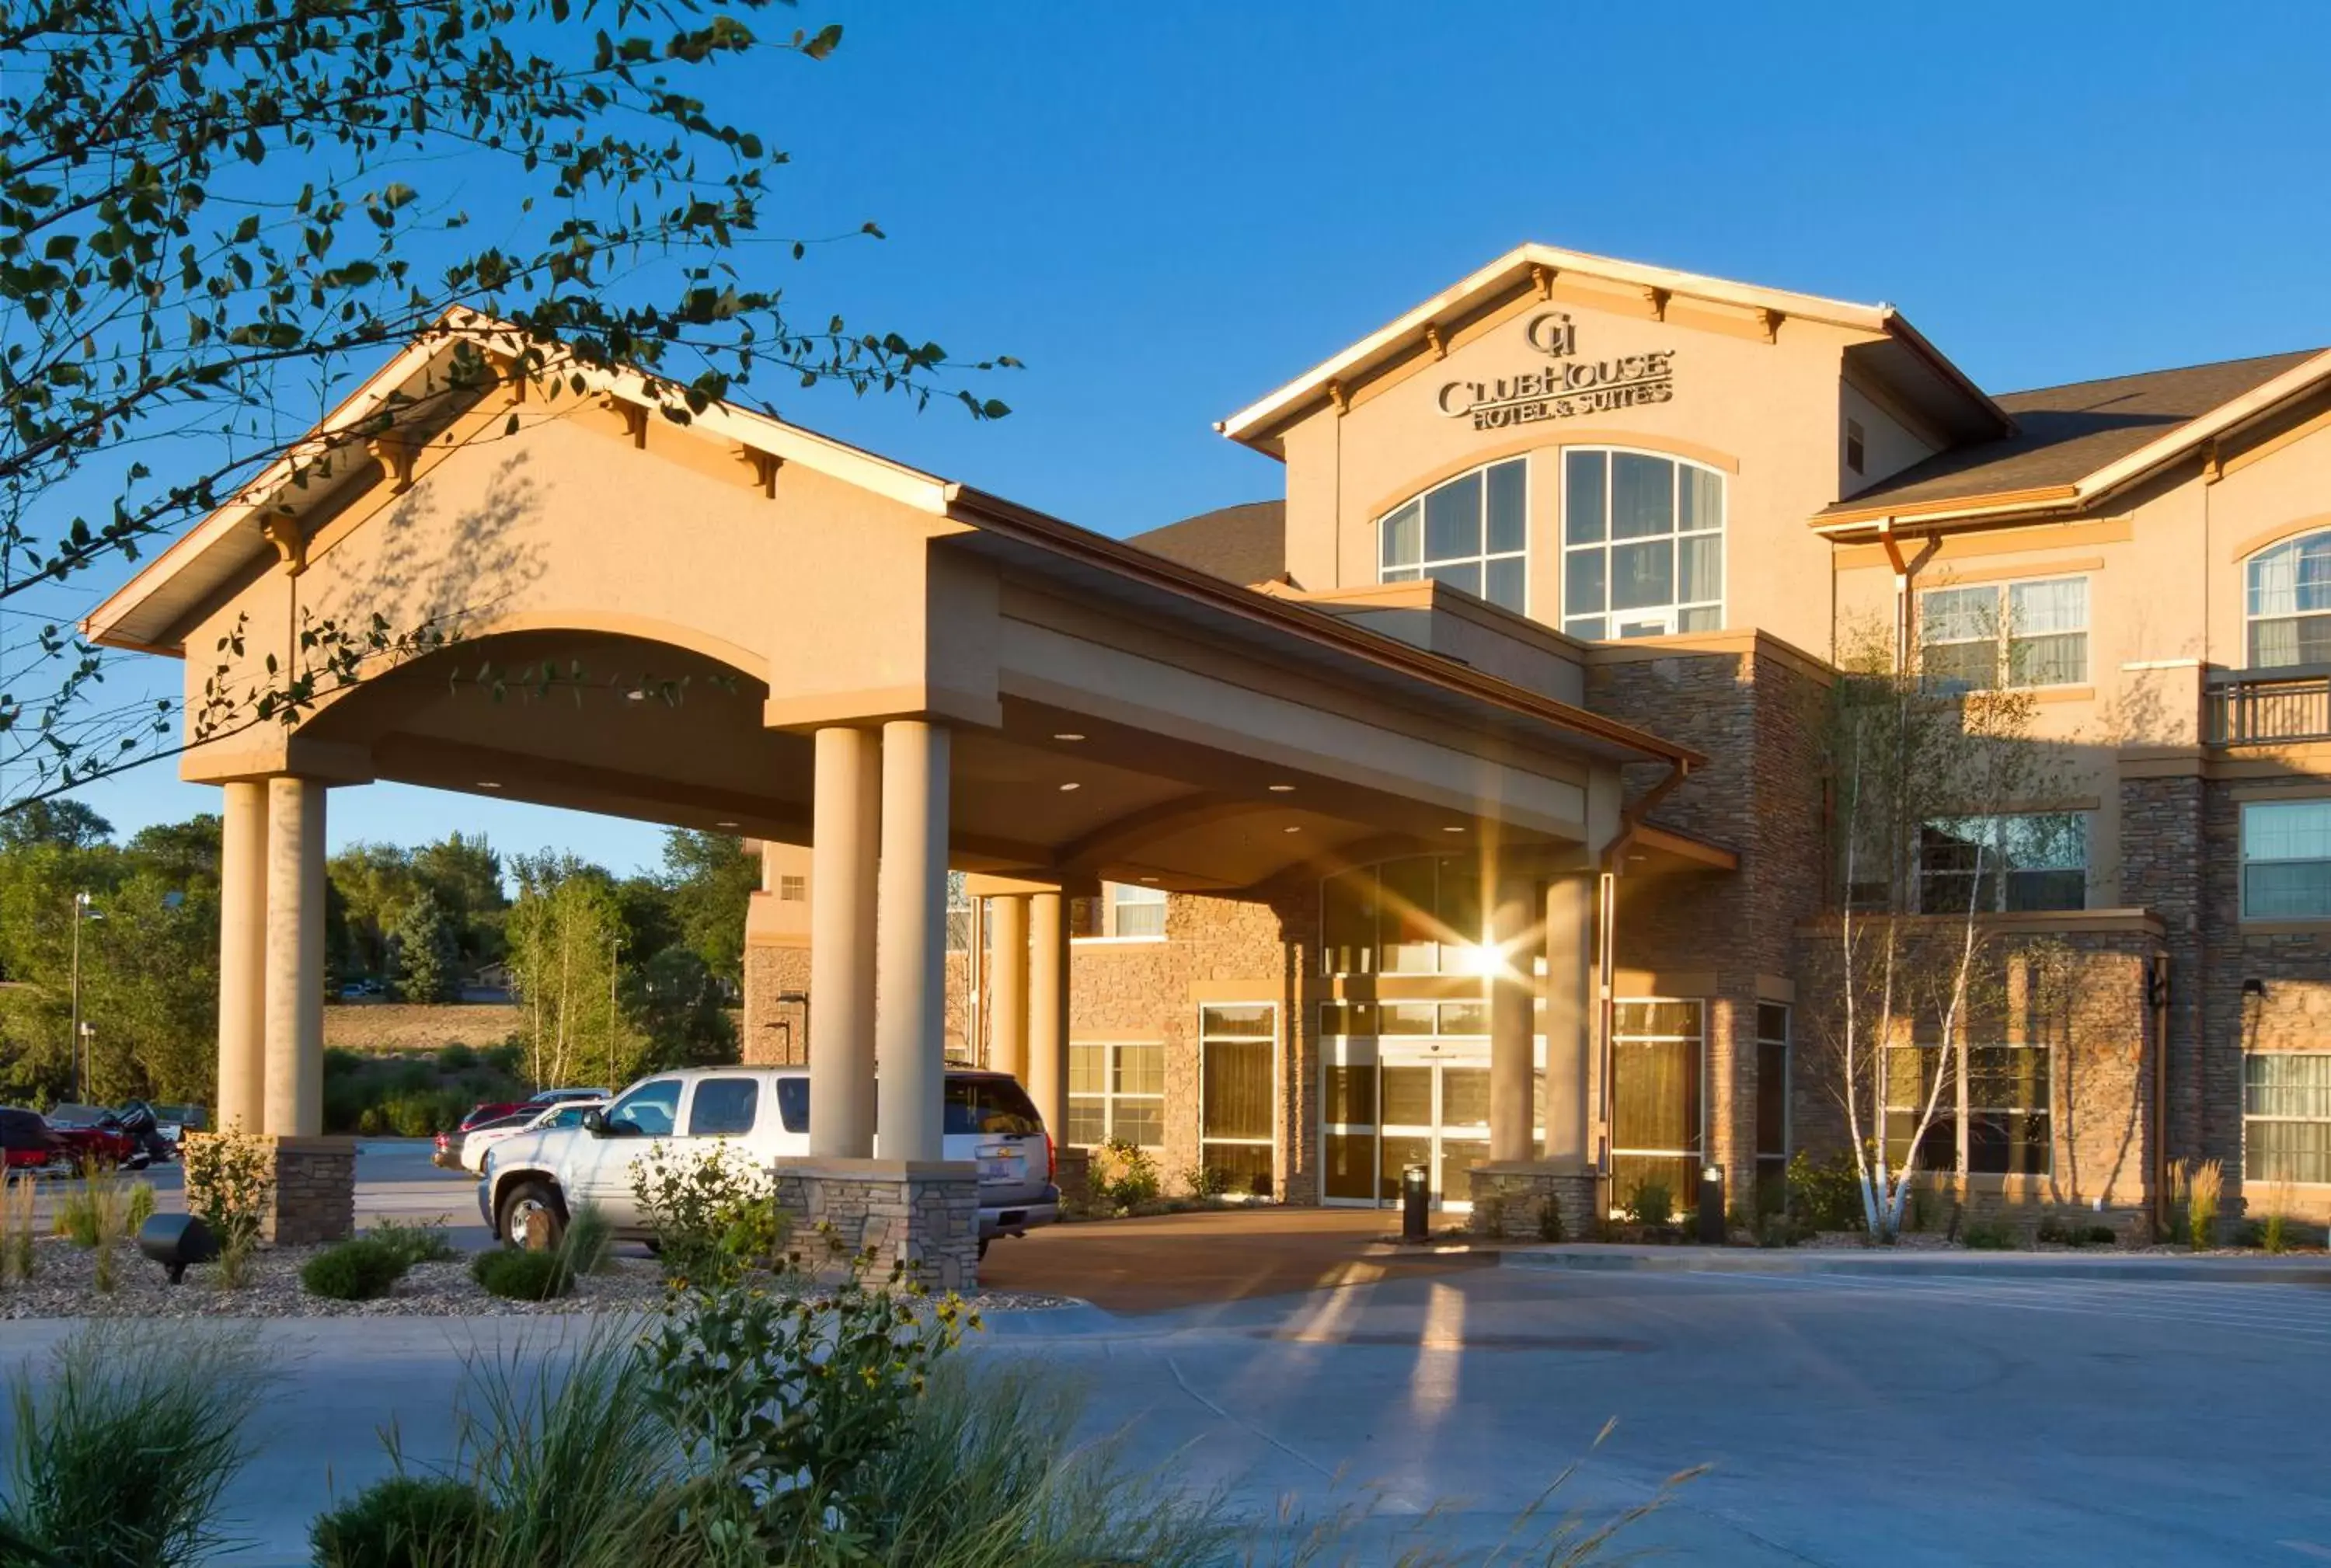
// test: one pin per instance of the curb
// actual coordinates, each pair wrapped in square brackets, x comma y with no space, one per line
[2223,1271]
[1079,1321]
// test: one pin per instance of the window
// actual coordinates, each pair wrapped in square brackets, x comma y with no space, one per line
[793,1104]
[1472,533]
[2013,634]
[1643,545]
[1235,1093]
[1124,912]
[989,1106]
[2289,602]
[2287,1118]
[1655,1098]
[1117,1090]
[648,1111]
[958,913]
[793,889]
[2287,860]
[723,1107]
[1461,1019]
[1856,448]
[1421,916]
[2030,860]
[2007,1109]
[1772,1106]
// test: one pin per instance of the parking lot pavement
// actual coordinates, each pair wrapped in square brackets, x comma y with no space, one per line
[1915,1424]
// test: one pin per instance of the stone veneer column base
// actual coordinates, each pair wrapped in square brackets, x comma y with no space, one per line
[1509,1199]
[922,1214]
[315,1195]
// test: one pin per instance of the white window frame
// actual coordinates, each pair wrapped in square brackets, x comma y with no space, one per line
[1277,1090]
[1997,864]
[2249,1116]
[1424,565]
[2251,616]
[1683,1199]
[2260,807]
[1668,615]
[1110,1096]
[2002,634]
[1911,1103]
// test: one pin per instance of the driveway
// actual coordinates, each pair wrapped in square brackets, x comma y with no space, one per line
[1180,1260]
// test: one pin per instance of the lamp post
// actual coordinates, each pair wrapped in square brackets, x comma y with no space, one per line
[615,1006]
[80,911]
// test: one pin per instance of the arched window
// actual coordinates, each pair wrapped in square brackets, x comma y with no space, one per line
[1642,541]
[2290,602]
[1472,532]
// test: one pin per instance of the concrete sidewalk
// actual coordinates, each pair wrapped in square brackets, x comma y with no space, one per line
[2315,1270]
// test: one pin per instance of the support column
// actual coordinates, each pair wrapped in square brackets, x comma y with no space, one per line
[294,984]
[845,811]
[1572,1008]
[1048,1010]
[243,958]
[1007,1016]
[910,948]
[1512,1121]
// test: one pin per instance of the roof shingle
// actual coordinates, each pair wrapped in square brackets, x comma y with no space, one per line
[1244,544]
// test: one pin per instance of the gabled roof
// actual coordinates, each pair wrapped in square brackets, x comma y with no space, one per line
[1945,391]
[1244,544]
[2078,443]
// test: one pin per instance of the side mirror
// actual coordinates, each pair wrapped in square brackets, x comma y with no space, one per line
[594,1122]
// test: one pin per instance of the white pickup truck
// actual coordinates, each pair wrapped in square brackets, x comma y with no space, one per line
[762,1113]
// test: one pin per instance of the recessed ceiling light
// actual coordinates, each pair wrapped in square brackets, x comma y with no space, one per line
[636,694]
[1282,789]
[1066,735]
[487,784]
[1072,785]
[1149,878]
[1453,830]
[724,824]
[1294,830]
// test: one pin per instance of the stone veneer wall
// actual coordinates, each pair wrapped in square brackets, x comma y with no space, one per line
[776,1034]
[314,1195]
[2162,850]
[2082,994]
[923,1217]
[1756,711]
[1509,1202]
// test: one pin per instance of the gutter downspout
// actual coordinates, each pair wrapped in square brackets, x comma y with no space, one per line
[1902,571]
[1607,948]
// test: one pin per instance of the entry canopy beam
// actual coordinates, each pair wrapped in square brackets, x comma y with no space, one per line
[1110,714]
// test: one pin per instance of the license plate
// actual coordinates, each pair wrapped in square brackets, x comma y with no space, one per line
[999,1165]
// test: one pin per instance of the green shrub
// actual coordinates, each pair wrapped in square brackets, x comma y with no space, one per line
[456,1057]
[124,1441]
[412,1079]
[517,1275]
[589,1243]
[1123,1175]
[419,1241]
[1826,1196]
[2053,1230]
[360,1270]
[76,1217]
[507,1059]
[341,1062]
[1988,1236]
[403,1522]
[371,1122]
[2103,1236]
[1651,1204]
[2203,1190]
[137,1208]
[712,1215]
[1207,1181]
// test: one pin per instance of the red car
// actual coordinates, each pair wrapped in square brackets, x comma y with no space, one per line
[85,1133]
[535,1102]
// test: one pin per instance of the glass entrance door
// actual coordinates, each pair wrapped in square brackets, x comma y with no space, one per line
[1389,1104]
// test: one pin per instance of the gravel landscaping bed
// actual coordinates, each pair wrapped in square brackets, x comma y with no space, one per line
[65,1285]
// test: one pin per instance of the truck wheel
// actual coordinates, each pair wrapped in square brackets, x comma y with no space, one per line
[521,1203]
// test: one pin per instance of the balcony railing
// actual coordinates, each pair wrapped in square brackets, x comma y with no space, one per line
[2252,706]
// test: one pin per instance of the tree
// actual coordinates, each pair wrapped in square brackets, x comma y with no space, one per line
[712,880]
[185,855]
[564,936]
[465,874]
[66,823]
[215,213]
[1926,775]
[376,884]
[428,952]
[674,1006]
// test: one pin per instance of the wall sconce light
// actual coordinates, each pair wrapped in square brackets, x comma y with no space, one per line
[2254,986]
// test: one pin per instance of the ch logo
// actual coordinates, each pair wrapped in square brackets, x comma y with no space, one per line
[1551,332]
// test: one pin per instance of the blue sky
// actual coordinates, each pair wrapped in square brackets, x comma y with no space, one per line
[1168,211]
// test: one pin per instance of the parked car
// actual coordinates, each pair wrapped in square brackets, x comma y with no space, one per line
[87,1133]
[27,1141]
[764,1112]
[465,1151]
[494,1109]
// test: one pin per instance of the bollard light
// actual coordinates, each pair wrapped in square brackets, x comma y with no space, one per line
[1711,1205]
[178,1242]
[1416,1204]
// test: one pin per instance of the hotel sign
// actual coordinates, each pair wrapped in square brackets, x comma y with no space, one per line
[1567,387]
